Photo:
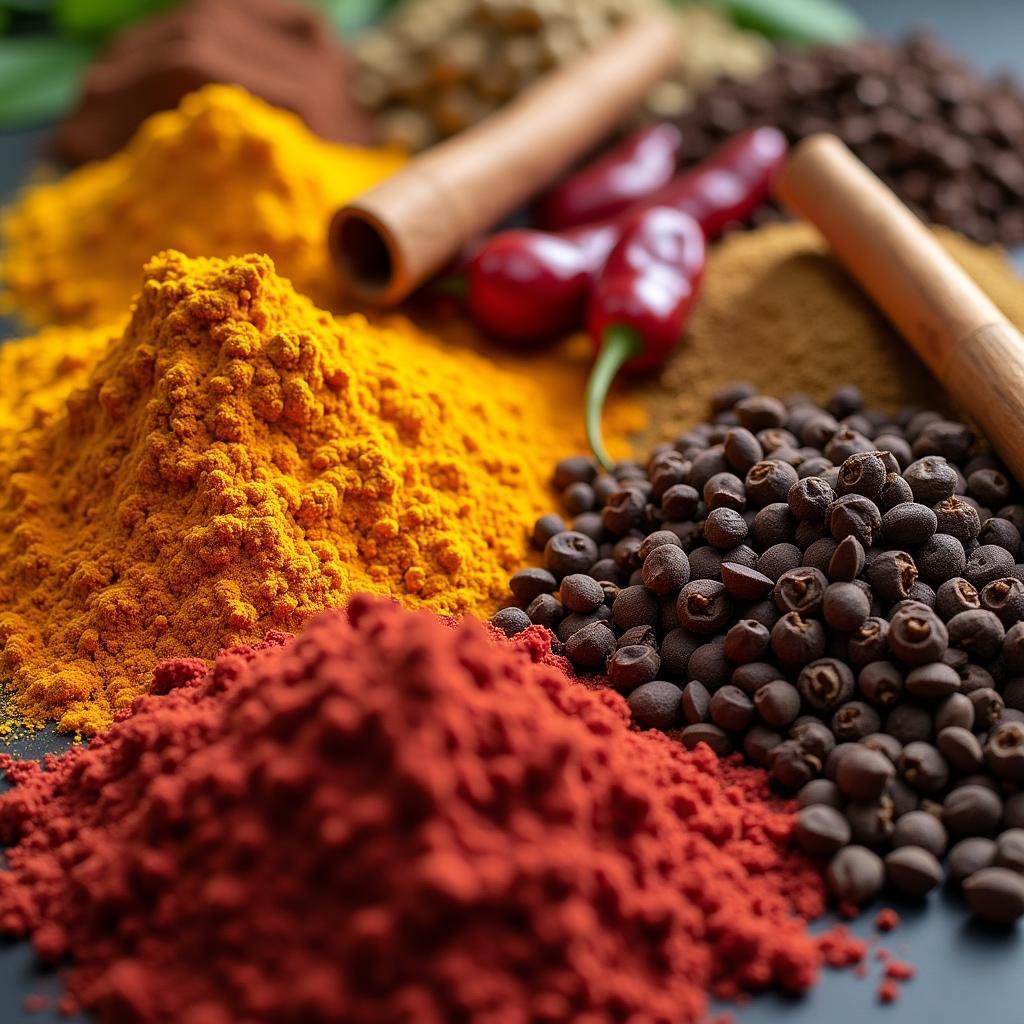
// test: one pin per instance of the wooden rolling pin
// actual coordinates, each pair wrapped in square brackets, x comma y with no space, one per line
[968,344]
[390,240]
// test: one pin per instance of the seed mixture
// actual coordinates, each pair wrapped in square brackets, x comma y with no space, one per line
[948,141]
[438,66]
[834,591]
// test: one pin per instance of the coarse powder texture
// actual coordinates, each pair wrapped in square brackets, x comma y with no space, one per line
[234,460]
[777,310]
[223,175]
[394,820]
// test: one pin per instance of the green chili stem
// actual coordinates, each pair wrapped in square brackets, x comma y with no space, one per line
[619,344]
[454,285]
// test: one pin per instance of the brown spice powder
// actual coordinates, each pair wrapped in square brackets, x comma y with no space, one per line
[778,311]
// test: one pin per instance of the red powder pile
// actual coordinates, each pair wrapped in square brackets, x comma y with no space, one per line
[393,820]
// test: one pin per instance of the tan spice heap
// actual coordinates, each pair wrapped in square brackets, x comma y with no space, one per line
[778,311]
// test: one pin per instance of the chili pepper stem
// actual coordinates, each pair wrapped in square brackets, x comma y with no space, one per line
[455,285]
[619,344]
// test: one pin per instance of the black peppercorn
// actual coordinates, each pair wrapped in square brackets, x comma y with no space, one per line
[958,518]
[931,479]
[895,491]
[632,666]
[881,683]
[704,606]
[590,646]
[528,584]
[581,593]
[800,590]
[569,552]
[758,412]
[862,473]
[892,575]
[725,490]
[769,481]
[809,498]
[666,569]
[853,515]
[1000,533]
[825,684]
[796,641]
[725,528]
[778,559]
[868,642]
[917,635]
[545,610]
[940,558]
[635,606]
[924,768]
[624,511]
[908,524]
[987,562]
[655,705]
[978,632]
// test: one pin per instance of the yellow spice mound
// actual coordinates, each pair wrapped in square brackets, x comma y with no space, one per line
[234,460]
[223,175]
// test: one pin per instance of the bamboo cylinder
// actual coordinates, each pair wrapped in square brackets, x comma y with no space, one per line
[394,237]
[956,329]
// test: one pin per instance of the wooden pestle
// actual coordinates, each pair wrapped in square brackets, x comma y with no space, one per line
[390,240]
[968,344]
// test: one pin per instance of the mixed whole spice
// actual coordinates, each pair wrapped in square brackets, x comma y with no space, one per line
[947,140]
[778,660]
[832,590]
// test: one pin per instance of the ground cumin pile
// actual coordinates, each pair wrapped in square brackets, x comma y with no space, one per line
[777,310]
[235,459]
[223,175]
[393,820]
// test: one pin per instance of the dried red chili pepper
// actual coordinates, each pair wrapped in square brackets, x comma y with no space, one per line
[636,168]
[526,286]
[640,302]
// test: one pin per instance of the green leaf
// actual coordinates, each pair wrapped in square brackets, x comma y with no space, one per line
[39,77]
[349,16]
[799,21]
[98,17]
[28,6]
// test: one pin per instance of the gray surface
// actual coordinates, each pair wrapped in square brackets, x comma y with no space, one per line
[966,973]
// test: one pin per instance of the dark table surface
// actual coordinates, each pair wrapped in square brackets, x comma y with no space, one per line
[965,972]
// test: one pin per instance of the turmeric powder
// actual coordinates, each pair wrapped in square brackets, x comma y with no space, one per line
[223,175]
[233,460]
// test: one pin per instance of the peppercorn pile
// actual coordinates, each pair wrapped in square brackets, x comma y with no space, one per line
[438,66]
[392,819]
[949,142]
[834,591]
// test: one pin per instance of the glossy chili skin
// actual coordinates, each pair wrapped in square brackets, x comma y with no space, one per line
[649,283]
[525,288]
[629,172]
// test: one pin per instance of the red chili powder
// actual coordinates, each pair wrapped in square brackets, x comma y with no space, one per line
[392,820]
[898,970]
[887,920]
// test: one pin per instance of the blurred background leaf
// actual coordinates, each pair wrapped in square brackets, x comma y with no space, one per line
[349,16]
[98,17]
[38,77]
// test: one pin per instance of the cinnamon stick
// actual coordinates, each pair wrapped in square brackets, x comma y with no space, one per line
[956,329]
[392,239]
